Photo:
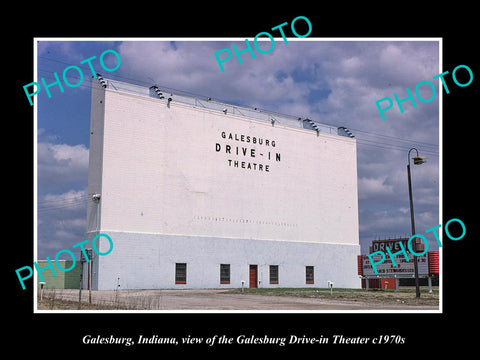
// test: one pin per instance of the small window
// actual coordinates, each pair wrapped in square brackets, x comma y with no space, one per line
[309,275]
[224,273]
[180,273]
[273,274]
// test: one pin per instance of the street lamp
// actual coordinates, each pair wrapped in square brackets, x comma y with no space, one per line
[417,160]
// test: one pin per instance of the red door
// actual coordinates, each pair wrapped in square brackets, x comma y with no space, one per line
[253,276]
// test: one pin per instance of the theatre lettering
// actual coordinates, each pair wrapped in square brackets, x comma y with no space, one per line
[254,154]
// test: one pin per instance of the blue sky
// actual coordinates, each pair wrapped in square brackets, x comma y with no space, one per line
[334,82]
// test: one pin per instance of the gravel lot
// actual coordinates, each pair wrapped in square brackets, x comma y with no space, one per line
[216,299]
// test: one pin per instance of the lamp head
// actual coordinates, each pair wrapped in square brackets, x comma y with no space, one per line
[418,160]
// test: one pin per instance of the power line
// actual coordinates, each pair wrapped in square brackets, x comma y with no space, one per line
[393,147]
[398,146]
[62,203]
[394,138]
[362,136]
[62,200]
[70,206]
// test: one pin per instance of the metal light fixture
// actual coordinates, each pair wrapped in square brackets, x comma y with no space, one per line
[157,91]
[101,80]
[417,160]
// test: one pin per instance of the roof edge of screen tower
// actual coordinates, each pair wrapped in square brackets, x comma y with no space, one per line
[167,95]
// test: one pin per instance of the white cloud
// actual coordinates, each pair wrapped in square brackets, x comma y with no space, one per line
[61,166]
[61,221]
[61,209]
[71,200]
[369,188]
[332,82]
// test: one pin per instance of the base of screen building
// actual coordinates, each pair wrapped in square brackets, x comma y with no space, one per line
[158,261]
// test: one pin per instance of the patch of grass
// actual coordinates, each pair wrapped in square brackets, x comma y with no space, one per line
[54,300]
[57,304]
[404,295]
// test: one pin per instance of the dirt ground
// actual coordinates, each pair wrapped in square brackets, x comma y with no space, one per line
[222,299]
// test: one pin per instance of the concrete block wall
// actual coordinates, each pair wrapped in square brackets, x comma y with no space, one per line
[147,261]
[169,195]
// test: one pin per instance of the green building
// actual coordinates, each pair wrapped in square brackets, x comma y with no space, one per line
[64,279]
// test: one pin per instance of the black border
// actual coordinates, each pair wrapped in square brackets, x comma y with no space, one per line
[428,332]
